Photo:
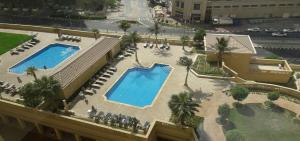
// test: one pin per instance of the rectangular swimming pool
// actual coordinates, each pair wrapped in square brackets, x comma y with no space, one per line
[49,57]
[139,86]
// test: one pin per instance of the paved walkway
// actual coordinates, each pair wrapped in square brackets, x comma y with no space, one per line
[212,130]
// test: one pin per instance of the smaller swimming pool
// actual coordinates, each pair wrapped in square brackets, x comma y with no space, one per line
[139,86]
[49,57]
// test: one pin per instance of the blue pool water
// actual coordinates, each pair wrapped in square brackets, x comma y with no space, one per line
[48,57]
[139,86]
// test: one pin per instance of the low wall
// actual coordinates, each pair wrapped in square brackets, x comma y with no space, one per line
[52,30]
[272,87]
[92,130]
[295,67]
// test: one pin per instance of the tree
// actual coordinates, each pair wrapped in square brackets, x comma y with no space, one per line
[58,31]
[134,37]
[96,33]
[234,135]
[155,30]
[31,71]
[31,95]
[183,107]
[124,25]
[222,45]
[188,62]
[184,41]
[272,96]
[51,91]
[224,111]
[199,35]
[239,93]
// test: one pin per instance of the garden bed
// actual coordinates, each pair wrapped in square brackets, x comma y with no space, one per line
[202,67]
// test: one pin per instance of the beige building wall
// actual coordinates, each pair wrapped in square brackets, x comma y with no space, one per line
[236,9]
[254,8]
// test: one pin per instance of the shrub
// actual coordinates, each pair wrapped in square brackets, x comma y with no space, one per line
[272,96]
[239,93]
[224,111]
[273,56]
[234,135]
[298,75]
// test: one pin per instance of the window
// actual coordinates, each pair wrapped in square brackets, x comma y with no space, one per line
[227,6]
[177,3]
[263,5]
[217,6]
[245,5]
[235,6]
[196,6]
[182,4]
[282,4]
[272,5]
[253,5]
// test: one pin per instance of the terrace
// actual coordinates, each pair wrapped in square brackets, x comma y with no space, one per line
[8,60]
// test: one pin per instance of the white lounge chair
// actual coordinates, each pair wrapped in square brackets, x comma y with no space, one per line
[114,69]
[99,82]
[97,86]
[102,78]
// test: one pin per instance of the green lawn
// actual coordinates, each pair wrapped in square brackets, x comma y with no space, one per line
[258,124]
[9,41]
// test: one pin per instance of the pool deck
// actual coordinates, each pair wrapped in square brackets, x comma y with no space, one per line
[175,84]
[7,60]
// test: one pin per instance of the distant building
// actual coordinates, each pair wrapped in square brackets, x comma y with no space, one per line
[205,10]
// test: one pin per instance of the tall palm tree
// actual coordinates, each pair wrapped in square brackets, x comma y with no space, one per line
[184,40]
[58,31]
[96,33]
[183,107]
[134,37]
[124,25]
[51,91]
[31,71]
[189,63]
[155,30]
[221,45]
[199,35]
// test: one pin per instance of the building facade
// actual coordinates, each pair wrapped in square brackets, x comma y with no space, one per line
[205,10]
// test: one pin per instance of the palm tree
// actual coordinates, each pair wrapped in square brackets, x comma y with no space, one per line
[183,107]
[189,63]
[221,45]
[184,40]
[30,95]
[124,25]
[134,37]
[199,35]
[96,33]
[58,31]
[51,91]
[155,30]
[31,71]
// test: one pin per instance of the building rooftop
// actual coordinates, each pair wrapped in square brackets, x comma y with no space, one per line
[236,43]
[66,75]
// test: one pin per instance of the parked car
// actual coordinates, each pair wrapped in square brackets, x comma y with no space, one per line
[279,34]
[255,29]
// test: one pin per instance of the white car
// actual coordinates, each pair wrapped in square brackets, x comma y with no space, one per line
[279,34]
[256,29]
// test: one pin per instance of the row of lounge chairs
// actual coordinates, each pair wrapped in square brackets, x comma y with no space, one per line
[127,52]
[122,121]
[25,46]
[161,46]
[99,79]
[70,38]
[8,88]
